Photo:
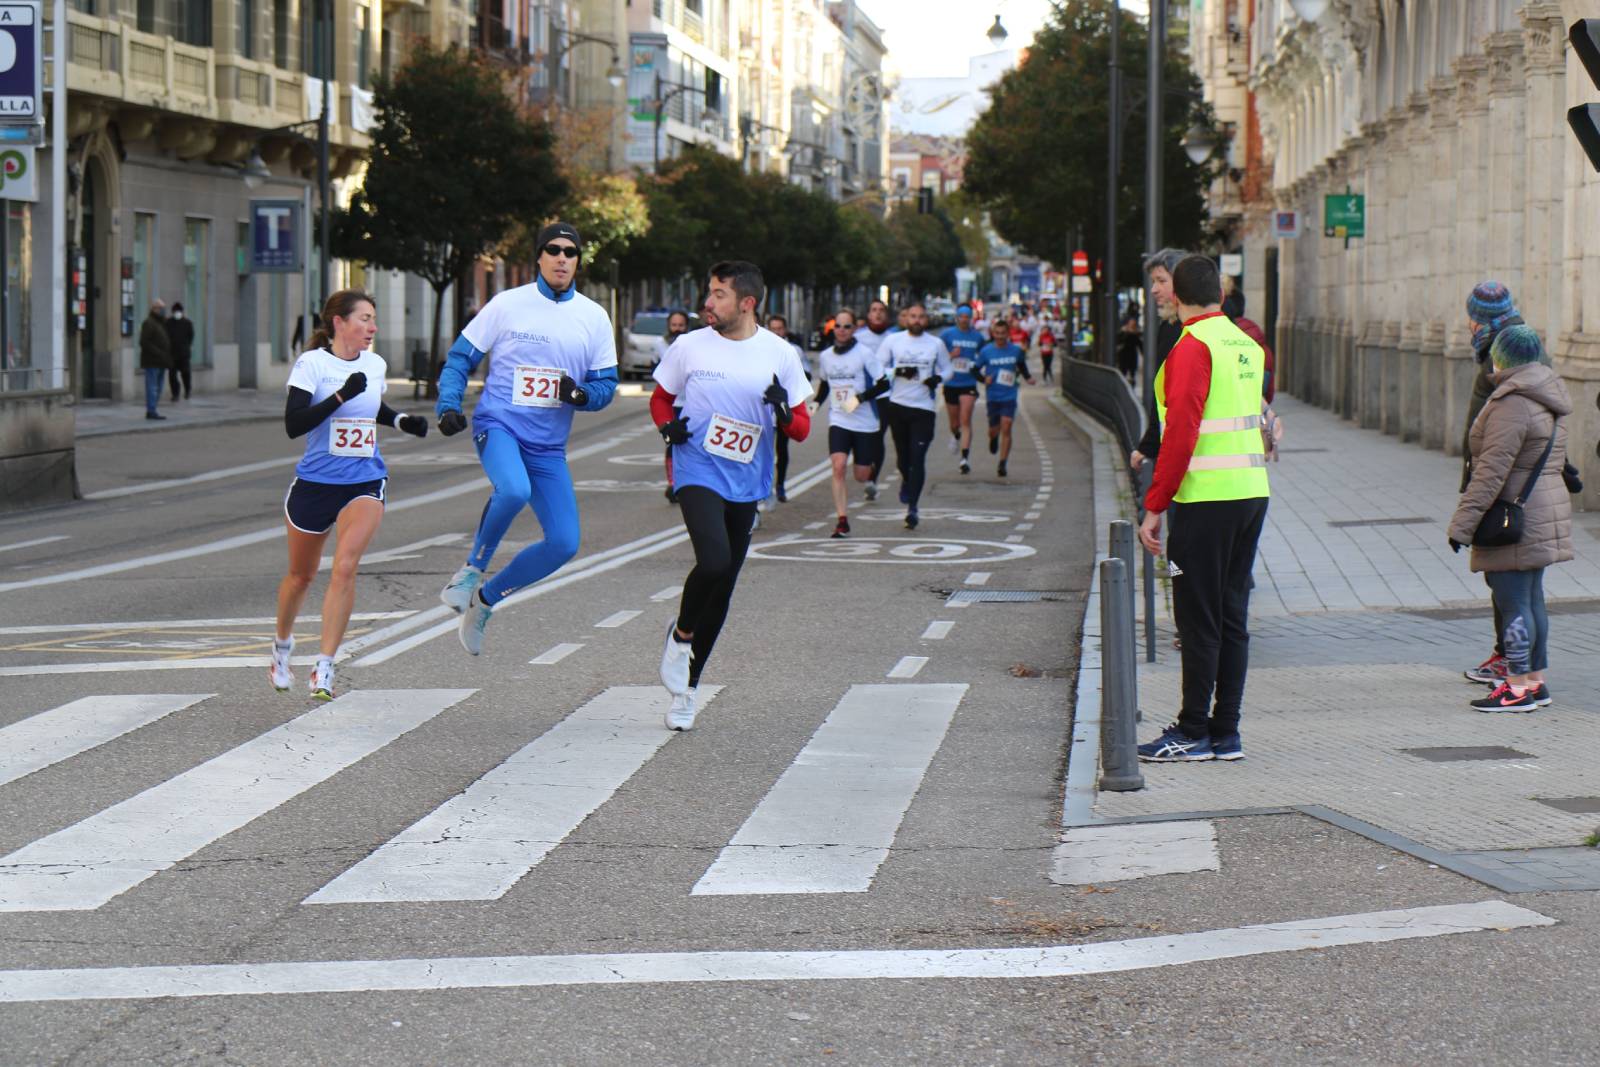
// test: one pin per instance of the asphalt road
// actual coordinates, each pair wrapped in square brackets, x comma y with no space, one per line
[196,835]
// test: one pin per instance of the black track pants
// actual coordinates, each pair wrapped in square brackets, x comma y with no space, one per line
[720,532]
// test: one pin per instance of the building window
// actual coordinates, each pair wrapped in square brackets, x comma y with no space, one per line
[280,34]
[144,258]
[363,47]
[386,53]
[17,372]
[196,285]
[85,6]
[313,37]
[191,22]
[246,17]
[145,16]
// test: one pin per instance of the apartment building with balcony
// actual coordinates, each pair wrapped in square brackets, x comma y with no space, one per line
[685,51]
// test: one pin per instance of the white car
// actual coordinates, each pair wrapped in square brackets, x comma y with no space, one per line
[641,346]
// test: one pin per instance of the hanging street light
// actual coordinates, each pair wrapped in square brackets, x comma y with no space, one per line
[616,75]
[997,33]
[1199,143]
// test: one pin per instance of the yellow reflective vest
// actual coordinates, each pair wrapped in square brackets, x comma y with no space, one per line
[1229,462]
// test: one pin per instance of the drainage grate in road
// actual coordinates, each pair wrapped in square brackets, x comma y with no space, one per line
[1572,805]
[1414,520]
[1478,752]
[998,596]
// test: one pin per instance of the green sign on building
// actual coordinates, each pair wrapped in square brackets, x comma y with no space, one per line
[1344,215]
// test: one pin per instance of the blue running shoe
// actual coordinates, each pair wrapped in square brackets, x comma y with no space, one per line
[1227,747]
[474,620]
[458,593]
[1175,746]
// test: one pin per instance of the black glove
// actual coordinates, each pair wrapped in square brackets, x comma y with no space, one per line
[675,431]
[879,387]
[778,397]
[933,385]
[415,425]
[909,373]
[353,387]
[571,392]
[452,423]
[1456,546]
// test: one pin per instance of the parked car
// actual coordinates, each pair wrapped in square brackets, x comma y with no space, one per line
[641,347]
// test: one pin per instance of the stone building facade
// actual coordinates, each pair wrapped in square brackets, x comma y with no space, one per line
[1448,116]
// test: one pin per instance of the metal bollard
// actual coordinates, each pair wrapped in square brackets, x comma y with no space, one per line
[1119,686]
[1122,547]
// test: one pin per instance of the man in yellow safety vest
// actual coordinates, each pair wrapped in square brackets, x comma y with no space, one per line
[1212,474]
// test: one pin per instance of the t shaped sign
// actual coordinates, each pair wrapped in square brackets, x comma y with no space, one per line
[21,71]
[276,242]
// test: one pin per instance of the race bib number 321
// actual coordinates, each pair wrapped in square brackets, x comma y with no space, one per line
[732,439]
[536,387]
[352,437]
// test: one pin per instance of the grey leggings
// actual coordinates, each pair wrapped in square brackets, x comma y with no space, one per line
[1524,625]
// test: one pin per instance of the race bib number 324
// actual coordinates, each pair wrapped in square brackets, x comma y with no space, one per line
[352,437]
[536,387]
[732,439]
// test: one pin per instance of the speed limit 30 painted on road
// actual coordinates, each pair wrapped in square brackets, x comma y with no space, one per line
[912,550]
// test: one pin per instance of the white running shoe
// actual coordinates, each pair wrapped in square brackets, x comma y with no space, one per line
[457,594]
[473,622]
[282,675]
[322,680]
[675,662]
[681,715]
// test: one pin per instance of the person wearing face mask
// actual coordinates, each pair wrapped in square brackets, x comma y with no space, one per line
[155,356]
[1158,267]
[180,332]
[554,352]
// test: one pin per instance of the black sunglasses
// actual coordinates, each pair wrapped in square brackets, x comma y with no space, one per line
[844,326]
[552,249]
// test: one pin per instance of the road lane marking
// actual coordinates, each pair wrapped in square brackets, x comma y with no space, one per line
[481,842]
[208,476]
[411,551]
[555,655]
[1014,539]
[49,737]
[671,592]
[1030,516]
[937,631]
[908,667]
[35,541]
[93,861]
[620,618]
[651,968]
[1023,527]
[1089,855]
[227,544]
[978,578]
[184,624]
[126,665]
[827,824]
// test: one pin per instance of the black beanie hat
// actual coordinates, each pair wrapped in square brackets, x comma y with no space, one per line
[559,229]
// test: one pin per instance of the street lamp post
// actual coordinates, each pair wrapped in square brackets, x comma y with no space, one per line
[1113,169]
[1154,198]
[325,31]
[661,106]
[615,75]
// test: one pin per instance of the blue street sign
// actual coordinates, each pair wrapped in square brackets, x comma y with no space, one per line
[276,240]
[21,65]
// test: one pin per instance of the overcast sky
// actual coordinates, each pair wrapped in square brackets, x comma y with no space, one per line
[935,38]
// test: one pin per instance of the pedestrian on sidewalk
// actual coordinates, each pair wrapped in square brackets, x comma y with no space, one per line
[180,332]
[1518,446]
[155,356]
[1158,267]
[1212,474]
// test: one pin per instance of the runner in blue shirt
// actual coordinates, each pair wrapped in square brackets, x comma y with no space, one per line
[336,403]
[1000,363]
[961,390]
[545,339]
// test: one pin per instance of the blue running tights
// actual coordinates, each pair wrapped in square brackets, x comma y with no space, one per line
[536,479]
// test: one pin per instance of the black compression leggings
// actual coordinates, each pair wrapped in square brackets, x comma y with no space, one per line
[720,532]
[781,440]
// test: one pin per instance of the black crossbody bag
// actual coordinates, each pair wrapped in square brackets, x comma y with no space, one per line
[1502,523]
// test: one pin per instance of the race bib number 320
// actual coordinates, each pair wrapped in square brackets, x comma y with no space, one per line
[352,437]
[536,387]
[732,439]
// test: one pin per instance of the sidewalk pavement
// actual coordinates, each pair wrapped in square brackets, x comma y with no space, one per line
[1361,622]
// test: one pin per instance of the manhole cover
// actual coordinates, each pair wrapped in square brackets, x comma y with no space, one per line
[1414,520]
[1479,752]
[1574,805]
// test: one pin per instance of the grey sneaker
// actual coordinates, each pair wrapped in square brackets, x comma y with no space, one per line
[457,593]
[474,620]
[681,715]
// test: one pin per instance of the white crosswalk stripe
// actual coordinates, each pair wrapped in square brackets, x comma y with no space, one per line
[827,824]
[478,844]
[40,740]
[90,862]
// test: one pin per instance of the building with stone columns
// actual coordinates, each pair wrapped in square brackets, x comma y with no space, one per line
[1448,116]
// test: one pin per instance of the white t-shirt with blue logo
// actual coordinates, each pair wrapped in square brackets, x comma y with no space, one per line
[850,374]
[531,341]
[343,448]
[926,354]
[719,385]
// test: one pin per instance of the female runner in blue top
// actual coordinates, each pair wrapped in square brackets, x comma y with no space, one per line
[545,338]
[335,403]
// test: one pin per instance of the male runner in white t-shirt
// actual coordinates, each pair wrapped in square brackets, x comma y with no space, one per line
[916,362]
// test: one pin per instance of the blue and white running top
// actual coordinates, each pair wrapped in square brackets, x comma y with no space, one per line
[963,346]
[531,340]
[719,384]
[343,448]
[849,374]
[1004,363]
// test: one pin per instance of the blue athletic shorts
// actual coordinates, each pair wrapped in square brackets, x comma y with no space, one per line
[313,507]
[1001,409]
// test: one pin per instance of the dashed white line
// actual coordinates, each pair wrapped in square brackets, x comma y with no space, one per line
[35,541]
[555,655]
[908,667]
[620,618]
[937,631]
[978,578]
[1023,527]
[671,592]
[1014,539]
[1032,515]
[815,525]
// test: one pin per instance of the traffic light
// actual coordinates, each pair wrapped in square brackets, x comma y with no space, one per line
[1585,118]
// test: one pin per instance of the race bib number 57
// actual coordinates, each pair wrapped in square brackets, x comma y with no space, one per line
[732,439]
[536,387]
[352,437]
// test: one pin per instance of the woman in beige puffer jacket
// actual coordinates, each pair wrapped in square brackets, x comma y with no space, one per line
[1529,407]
